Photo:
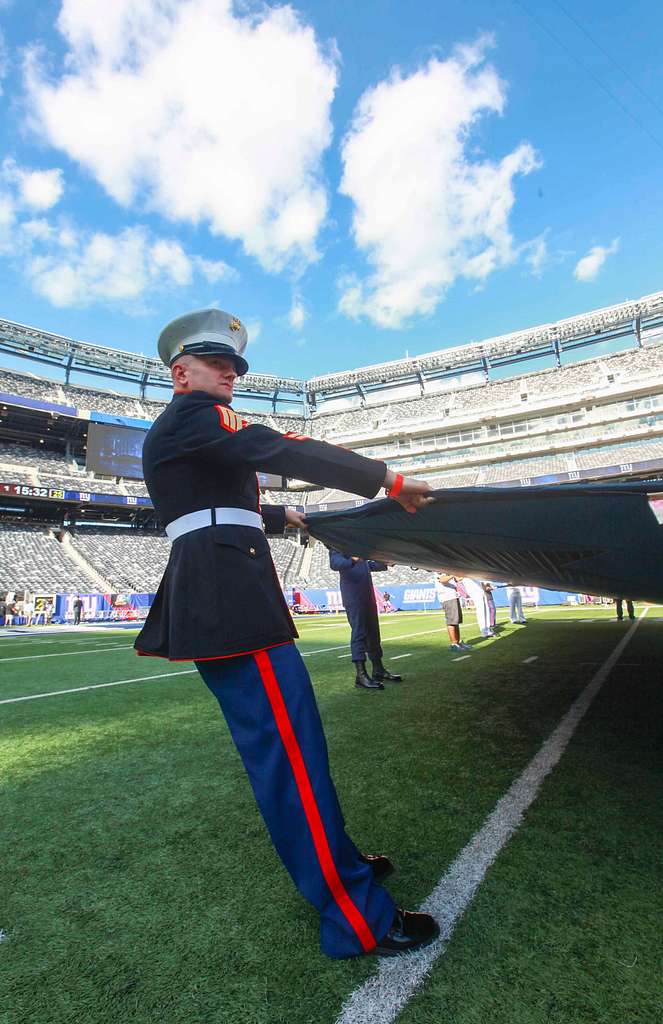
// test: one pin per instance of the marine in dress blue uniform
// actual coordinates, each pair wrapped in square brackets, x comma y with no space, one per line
[220,604]
[355,577]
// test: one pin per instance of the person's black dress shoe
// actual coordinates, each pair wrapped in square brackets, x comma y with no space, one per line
[408,933]
[380,865]
[382,675]
[364,681]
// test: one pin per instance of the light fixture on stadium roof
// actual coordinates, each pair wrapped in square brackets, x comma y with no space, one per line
[503,345]
[78,355]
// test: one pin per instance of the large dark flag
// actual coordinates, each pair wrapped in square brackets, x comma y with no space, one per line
[593,538]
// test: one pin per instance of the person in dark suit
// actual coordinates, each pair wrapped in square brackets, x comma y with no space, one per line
[619,606]
[361,609]
[220,604]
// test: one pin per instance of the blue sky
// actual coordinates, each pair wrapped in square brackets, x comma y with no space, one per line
[352,180]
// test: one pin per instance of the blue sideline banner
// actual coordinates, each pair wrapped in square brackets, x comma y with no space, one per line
[398,597]
[103,607]
[420,597]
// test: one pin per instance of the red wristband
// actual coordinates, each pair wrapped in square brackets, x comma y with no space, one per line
[397,487]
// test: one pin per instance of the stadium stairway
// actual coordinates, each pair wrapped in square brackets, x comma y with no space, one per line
[293,570]
[305,566]
[99,582]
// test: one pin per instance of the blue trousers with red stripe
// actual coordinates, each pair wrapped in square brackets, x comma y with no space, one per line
[268,702]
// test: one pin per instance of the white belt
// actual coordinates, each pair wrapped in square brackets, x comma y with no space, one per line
[222,517]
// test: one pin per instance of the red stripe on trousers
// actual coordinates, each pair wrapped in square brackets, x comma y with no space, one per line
[292,748]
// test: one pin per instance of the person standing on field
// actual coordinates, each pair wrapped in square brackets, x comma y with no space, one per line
[492,609]
[447,594]
[477,595]
[516,614]
[356,581]
[221,606]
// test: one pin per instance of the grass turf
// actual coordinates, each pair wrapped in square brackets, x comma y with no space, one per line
[142,886]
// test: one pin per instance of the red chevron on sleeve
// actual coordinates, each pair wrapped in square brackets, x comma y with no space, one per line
[296,437]
[229,419]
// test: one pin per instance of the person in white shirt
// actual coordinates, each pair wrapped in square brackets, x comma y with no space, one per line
[478,596]
[447,594]
[515,595]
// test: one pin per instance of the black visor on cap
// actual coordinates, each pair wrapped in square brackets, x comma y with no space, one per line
[213,348]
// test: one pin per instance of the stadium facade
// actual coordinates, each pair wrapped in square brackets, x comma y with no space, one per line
[578,399]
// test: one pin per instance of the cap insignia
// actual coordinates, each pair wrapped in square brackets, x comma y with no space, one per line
[235,324]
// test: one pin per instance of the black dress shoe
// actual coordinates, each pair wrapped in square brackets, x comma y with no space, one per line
[408,933]
[363,681]
[380,866]
[382,675]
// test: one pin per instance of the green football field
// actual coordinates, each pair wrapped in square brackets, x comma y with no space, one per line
[139,885]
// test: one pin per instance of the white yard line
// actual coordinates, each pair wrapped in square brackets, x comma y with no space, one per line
[12,633]
[66,654]
[463,657]
[385,640]
[397,657]
[380,999]
[532,657]
[345,655]
[98,686]
[62,643]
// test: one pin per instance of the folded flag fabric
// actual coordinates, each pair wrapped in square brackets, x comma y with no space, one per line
[591,538]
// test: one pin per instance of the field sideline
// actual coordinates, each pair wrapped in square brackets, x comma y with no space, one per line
[142,886]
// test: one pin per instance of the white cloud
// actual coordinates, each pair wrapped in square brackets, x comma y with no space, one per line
[215,270]
[168,258]
[587,268]
[536,254]
[7,219]
[425,212]
[107,268]
[38,229]
[41,189]
[253,329]
[37,190]
[71,266]
[197,112]
[297,316]
[539,256]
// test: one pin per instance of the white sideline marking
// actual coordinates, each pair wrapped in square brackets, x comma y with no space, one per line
[397,657]
[336,619]
[463,657]
[380,999]
[98,686]
[65,654]
[533,657]
[345,655]
[385,639]
[110,635]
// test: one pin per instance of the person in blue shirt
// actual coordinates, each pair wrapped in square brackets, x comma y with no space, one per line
[360,607]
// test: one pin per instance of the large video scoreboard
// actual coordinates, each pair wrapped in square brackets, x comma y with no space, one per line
[115,451]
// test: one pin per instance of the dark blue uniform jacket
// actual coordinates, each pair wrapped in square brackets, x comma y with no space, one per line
[355,579]
[220,594]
